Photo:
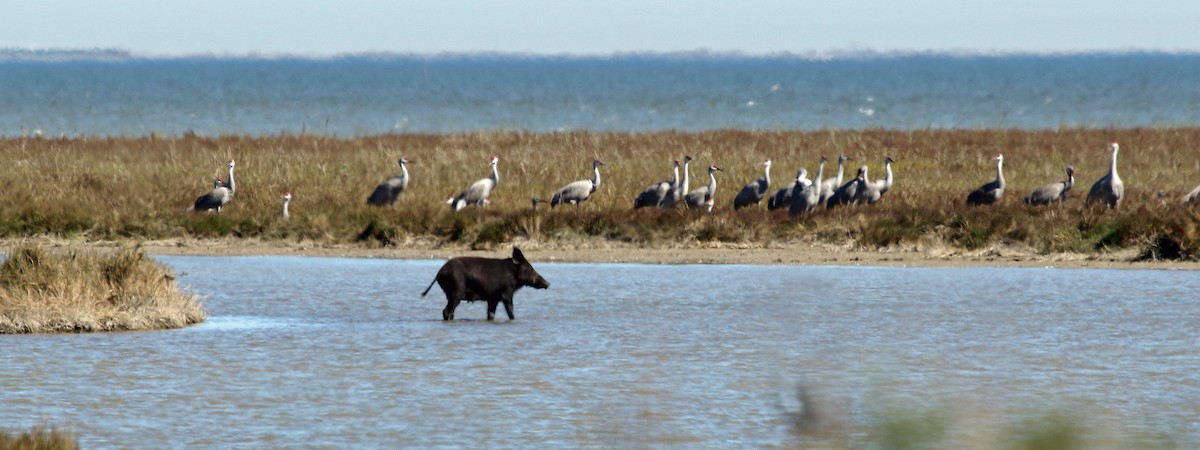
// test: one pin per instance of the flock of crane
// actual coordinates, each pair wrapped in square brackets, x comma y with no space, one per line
[801,196]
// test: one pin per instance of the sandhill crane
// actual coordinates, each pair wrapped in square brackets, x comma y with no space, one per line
[782,198]
[992,191]
[1193,197]
[806,197]
[678,191]
[215,199]
[754,191]
[1109,188]
[389,190]
[703,196]
[477,193]
[578,191]
[229,184]
[287,198]
[848,191]
[655,193]
[876,190]
[830,185]
[1052,192]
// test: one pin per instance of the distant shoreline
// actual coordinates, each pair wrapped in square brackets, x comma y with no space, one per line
[109,55]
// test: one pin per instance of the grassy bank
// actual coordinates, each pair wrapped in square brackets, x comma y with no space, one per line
[138,188]
[82,291]
[39,438]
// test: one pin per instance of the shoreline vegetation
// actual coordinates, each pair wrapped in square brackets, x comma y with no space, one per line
[80,290]
[103,191]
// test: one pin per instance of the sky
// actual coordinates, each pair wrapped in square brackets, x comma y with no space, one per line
[333,27]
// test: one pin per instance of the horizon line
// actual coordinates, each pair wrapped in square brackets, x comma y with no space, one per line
[116,54]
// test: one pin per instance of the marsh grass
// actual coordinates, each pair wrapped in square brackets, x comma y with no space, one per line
[38,438]
[81,291]
[138,188]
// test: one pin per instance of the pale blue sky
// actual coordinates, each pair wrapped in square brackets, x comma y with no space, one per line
[166,27]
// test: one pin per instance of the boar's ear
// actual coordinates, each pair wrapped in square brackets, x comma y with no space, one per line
[518,256]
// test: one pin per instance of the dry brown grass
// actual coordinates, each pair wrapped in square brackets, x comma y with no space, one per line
[82,291]
[38,438]
[139,187]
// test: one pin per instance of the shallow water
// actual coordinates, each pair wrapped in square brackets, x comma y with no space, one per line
[327,352]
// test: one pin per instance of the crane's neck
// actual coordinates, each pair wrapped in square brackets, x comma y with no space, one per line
[1112,168]
[232,187]
[1000,171]
[712,182]
[767,174]
[820,174]
[679,194]
[841,171]
[495,175]
[675,176]
[887,166]
[404,170]
[596,178]
[864,175]
[285,207]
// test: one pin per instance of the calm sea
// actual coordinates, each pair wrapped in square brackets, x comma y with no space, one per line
[360,96]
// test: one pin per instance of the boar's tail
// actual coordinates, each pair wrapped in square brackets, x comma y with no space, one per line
[430,287]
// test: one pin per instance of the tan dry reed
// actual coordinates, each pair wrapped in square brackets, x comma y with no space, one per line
[83,291]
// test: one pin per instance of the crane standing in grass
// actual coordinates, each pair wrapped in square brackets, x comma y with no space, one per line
[703,196]
[832,184]
[992,191]
[655,193]
[849,192]
[389,190]
[754,191]
[287,198]
[477,193]
[1109,188]
[215,199]
[876,190]
[679,190]
[578,191]
[1050,193]
[782,198]
[807,196]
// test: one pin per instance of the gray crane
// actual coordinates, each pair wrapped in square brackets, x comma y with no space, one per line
[875,190]
[229,184]
[655,193]
[831,184]
[1109,188]
[389,190]
[215,199]
[287,198]
[992,191]
[847,193]
[754,191]
[703,196]
[807,196]
[678,191]
[1050,193]
[578,191]
[477,193]
[782,198]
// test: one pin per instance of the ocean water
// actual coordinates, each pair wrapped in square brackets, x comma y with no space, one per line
[362,96]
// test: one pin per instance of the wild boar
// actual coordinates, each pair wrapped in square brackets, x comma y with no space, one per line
[495,280]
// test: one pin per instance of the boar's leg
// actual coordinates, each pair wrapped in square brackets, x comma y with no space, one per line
[451,304]
[508,308]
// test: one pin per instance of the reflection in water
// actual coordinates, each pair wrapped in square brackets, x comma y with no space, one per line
[345,352]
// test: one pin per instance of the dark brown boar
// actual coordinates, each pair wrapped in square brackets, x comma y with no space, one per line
[495,280]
